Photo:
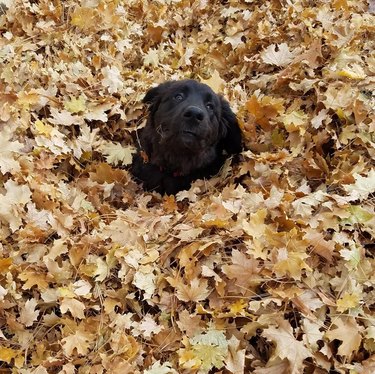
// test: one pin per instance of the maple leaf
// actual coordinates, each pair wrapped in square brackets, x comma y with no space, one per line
[338,96]
[145,280]
[287,346]
[115,153]
[28,315]
[147,327]
[207,350]
[277,54]
[158,368]
[320,245]
[362,187]
[112,79]
[84,18]
[235,361]
[290,263]
[295,121]
[348,332]
[12,203]
[313,333]
[243,269]
[358,215]
[188,323]
[151,58]
[76,105]
[8,151]
[353,255]
[33,278]
[195,291]
[234,40]
[123,344]
[63,117]
[348,301]
[79,341]
[75,307]
[255,227]
[7,354]
[215,82]
[317,121]
[86,142]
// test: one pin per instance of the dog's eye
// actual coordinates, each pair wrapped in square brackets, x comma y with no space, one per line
[210,106]
[179,97]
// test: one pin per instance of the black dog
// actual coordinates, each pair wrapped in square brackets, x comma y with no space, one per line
[189,133]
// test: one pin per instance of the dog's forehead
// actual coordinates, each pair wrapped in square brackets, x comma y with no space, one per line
[189,85]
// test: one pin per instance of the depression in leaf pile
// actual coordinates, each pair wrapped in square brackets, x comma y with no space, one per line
[268,267]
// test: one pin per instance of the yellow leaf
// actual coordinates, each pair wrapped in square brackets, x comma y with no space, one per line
[28,99]
[355,72]
[42,128]
[207,350]
[296,121]
[84,18]
[5,264]
[75,105]
[347,301]
[238,307]
[255,227]
[32,278]
[290,263]
[7,354]
[215,223]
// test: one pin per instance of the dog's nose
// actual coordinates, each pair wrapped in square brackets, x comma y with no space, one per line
[193,112]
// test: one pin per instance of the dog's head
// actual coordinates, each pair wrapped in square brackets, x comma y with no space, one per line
[188,120]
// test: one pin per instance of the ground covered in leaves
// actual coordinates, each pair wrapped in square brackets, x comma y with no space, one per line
[267,268]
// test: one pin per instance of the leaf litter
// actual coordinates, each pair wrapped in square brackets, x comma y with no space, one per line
[266,268]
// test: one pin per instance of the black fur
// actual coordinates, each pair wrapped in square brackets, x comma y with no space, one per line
[189,133]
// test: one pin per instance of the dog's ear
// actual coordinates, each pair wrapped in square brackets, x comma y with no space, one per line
[231,139]
[153,95]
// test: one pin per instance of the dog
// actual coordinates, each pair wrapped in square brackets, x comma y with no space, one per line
[190,131]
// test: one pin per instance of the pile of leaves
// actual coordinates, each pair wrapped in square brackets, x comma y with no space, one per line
[266,268]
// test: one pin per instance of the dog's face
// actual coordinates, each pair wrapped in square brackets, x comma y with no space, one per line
[188,131]
[186,114]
